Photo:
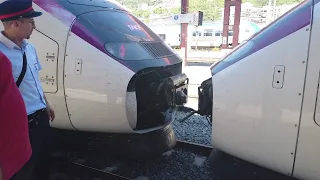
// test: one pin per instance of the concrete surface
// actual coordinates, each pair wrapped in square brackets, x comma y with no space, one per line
[197,73]
[203,56]
[198,70]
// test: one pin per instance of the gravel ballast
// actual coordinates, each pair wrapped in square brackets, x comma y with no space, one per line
[177,164]
[172,165]
[195,129]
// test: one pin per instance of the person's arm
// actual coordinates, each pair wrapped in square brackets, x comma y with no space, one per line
[49,109]
[1,177]
[3,82]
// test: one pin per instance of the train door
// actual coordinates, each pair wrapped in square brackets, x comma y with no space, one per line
[47,51]
[96,84]
[217,38]
[208,39]
[307,159]
[196,34]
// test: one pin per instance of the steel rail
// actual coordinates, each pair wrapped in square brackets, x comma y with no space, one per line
[194,147]
[81,171]
[73,169]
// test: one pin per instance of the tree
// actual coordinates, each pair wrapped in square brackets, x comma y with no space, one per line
[142,13]
[160,11]
[261,3]
[210,8]
[176,10]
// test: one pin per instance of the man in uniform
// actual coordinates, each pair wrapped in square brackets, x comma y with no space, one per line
[15,149]
[17,17]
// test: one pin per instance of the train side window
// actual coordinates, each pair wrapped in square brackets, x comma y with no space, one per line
[162,36]
[218,33]
[115,26]
[208,32]
[195,33]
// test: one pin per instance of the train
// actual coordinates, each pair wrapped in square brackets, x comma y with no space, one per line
[113,83]
[263,97]
[208,35]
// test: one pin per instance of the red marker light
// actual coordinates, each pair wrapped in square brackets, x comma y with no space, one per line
[122,51]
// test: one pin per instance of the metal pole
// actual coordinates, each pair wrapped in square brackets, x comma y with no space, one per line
[227,26]
[269,11]
[184,32]
[275,10]
[236,26]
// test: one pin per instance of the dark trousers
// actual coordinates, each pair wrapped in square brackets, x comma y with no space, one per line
[37,168]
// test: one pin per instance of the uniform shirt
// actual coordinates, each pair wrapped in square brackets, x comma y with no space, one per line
[30,86]
[15,148]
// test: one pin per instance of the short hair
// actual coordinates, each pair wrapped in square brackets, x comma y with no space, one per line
[7,22]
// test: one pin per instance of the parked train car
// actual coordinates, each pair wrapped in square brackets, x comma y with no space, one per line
[209,35]
[263,97]
[111,80]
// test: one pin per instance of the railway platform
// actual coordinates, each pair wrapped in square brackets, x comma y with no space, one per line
[203,56]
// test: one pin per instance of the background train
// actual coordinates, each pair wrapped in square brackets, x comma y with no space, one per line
[263,97]
[110,79]
[209,35]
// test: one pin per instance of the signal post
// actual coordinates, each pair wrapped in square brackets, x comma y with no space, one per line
[186,18]
[229,25]
[184,32]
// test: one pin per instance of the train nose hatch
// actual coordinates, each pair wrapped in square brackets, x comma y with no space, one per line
[205,98]
[179,86]
[157,96]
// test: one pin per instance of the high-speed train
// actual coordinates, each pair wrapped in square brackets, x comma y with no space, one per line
[263,96]
[109,78]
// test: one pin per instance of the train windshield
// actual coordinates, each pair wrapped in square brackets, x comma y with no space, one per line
[118,33]
[292,21]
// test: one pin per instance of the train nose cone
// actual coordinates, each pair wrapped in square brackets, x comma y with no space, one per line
[181,98]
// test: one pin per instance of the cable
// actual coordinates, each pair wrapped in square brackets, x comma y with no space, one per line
[187,109]
[189,115]
[207,117]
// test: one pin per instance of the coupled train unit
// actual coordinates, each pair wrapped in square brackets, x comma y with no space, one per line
[263,96]
[110,79]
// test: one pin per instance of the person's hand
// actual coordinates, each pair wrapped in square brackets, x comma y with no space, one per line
[51,113]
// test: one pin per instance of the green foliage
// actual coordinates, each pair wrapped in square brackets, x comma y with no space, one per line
[161,11]
[175,10]
[133,4]
[260,3]
[210,8]
[141,13]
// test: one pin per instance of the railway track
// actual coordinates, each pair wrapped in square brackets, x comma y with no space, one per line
[70,170]
[194,147]
[64,169]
